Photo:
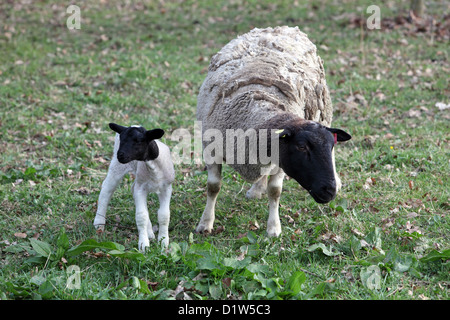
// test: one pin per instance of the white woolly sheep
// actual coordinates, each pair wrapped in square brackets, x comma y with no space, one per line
[271,79]
[136,150]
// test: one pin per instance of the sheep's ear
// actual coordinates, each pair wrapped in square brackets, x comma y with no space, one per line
[117,128]
[340,135]
[154,134]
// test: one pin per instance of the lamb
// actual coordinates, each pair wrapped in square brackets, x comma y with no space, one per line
[136,150]
[271,79]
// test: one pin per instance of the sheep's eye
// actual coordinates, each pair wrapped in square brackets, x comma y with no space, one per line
[301,148]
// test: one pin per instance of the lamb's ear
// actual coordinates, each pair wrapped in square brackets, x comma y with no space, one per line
[340,135]
[154,134]
[117,128]
[284,133]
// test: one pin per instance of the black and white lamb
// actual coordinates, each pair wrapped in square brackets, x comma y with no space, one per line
[271,79]
[138,151]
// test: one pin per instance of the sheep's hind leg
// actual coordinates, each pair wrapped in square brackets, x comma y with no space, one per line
[213,187]
[274,188]
[258,188]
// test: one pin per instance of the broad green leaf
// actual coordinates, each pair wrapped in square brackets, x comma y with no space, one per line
[134,281]
[325,250]
[144,287]
[215,291]
[270,284]
[402,263]
[236,264]
[38,279]
[42,248]
[17,290]
[175,251]
[92,244]
[434,255]
[256,268]
[15,248]
[374,238]
[295,282]
[250,238]
[37,259]
[341,206]
[206,264]
[204,249]
[46,289]
[355,244]
[250,249]
[257,294]
[320,289]
[63,240]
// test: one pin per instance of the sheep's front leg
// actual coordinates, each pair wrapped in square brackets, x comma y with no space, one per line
[115,174]
[164,215]
[274,188]
[213,188]
[143,223]
[258,188]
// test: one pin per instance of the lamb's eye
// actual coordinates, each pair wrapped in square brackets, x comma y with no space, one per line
[301,148]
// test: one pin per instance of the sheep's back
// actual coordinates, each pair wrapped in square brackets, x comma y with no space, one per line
[264,72]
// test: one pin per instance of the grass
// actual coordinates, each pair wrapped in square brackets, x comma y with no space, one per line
[143,63]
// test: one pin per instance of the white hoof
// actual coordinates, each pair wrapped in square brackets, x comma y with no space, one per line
[274,231]
[99,227]
[143,244]
[254,194]
[201,228]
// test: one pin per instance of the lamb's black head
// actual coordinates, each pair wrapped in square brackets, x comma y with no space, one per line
[136,143]
[306,156]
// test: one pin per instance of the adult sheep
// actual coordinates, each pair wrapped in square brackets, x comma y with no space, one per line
[270,79]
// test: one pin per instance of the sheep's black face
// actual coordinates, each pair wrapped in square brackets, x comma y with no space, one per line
[306,155]
[136,143]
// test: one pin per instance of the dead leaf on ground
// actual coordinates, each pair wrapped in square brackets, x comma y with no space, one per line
[20,235]
[410,228]
[254,225]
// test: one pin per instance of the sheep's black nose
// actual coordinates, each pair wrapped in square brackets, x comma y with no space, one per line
[324,193]
[329,189]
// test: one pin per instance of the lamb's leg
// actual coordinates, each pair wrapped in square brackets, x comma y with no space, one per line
[274,192]
[164,215]
[115,174]
[213,187]
[143,223]
[258,188]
